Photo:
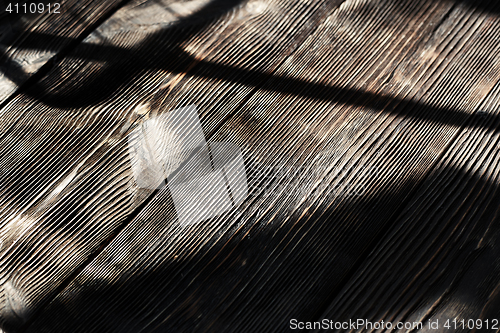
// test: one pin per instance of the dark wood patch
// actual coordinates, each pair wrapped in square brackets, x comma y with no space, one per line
[373,99]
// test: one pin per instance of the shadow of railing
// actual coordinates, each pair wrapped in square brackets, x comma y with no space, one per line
[226,285]
[121,65]
[97,87]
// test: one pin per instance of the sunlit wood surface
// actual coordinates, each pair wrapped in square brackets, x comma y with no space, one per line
[369,131]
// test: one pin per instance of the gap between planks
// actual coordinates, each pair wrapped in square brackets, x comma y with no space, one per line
[46,68]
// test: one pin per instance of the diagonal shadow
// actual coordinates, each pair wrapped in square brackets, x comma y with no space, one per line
[95,88]
[220,288]
[113,77]
[13,33]
[223,286]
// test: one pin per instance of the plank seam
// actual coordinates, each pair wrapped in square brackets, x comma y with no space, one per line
[47,67]
[66,282]
[406,203]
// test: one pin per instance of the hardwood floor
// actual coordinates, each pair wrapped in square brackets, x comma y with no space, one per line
[368,130]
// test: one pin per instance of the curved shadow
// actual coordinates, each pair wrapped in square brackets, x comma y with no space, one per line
[227,274]
[120,65]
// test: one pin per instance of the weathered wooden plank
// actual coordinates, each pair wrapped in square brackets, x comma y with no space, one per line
[67,184]
[291,246]
[440,261]
[29,41]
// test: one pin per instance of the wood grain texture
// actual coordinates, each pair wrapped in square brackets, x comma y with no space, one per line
[67,184]
[440,261]
[29,41]
[374,97]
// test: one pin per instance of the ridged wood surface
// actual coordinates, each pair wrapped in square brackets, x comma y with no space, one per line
[29,41]
[67,185]
[440,261]
[376,99]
